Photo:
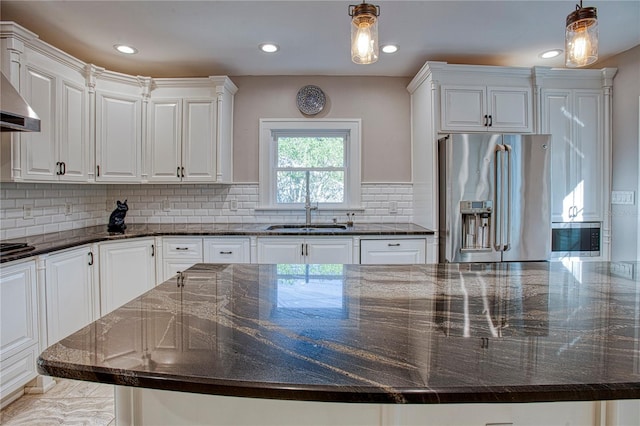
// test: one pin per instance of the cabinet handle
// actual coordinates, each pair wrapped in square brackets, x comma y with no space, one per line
[90,254]
[153,250]
[64,168]
[182,248]
[302,248]
[486,121]
[98,171]
[182,171]
[226,252]
[178,171]
[306,249]
[394,244]
[58,168]
[490,121]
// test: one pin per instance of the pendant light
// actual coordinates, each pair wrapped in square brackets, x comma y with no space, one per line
[364,33]
[581,37]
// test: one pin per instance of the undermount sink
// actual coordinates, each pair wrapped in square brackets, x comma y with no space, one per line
[303,227]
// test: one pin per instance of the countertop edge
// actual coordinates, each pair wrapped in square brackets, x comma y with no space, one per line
[362,395]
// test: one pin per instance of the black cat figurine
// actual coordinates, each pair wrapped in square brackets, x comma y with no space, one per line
[116,219]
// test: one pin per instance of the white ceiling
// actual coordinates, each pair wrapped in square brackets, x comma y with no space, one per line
[200,38]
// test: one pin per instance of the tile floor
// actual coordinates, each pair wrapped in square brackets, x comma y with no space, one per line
[69,402]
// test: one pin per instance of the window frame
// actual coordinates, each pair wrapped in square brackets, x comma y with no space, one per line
[268,158]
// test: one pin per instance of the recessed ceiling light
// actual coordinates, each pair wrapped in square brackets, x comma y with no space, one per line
[269,47]
[550,53]
[127,50]
[390,48]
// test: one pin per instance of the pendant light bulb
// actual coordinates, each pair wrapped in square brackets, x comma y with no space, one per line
[581,37]
[364,33]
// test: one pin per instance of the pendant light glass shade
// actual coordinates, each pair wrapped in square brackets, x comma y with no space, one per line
[581,37]
[364,33]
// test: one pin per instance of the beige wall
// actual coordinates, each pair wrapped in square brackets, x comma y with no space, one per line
[382,103]
[625,227]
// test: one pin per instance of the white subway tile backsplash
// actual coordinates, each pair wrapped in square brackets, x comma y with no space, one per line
[200,203]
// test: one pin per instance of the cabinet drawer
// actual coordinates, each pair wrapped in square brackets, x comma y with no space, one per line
[182,248]
[227,250]
[397,251]
[16,371]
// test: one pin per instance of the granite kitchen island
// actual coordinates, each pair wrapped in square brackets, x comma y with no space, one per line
[521,343]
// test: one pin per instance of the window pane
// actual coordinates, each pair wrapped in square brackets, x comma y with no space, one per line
[310,151]
[290,187]
[326,187]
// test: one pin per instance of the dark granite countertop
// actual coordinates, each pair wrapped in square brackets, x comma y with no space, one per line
[516,332]
[54,241]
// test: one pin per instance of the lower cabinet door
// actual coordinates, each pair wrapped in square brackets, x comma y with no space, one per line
[172,267]
[70,293]
[18,308]
[280,250]
[328,250]
[127,270]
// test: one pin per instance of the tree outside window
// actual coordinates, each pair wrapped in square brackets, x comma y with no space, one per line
[321,159]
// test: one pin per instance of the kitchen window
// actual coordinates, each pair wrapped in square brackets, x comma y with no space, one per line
[321,155]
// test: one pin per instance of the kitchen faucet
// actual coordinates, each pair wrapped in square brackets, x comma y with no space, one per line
[307,204]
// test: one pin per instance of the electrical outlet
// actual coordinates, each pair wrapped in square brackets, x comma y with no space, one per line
[393,207]
[622,197]
[233,205]
[166,205]
[27,212]
[68,209]
[623,269]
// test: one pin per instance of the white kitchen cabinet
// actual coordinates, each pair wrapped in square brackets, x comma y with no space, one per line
[486,108]
[182,144]
[305,250]
[72,295]
[178,254]
[574,119]
[118,137]
[393,251]
[227,250]
[189,136]
[19,337]
[55,88]
[127,269]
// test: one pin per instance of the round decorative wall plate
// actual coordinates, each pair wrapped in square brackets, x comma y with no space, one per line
[310,100]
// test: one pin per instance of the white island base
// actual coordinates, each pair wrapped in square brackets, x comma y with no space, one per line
[141,406]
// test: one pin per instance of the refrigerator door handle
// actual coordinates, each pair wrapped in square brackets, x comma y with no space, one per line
[497,229]
[508,150]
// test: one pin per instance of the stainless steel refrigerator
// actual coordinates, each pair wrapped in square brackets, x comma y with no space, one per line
[495,197]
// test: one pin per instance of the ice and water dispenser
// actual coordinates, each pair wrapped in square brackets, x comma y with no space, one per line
[476,225]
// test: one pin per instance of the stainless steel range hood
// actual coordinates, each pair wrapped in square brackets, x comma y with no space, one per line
[15,114]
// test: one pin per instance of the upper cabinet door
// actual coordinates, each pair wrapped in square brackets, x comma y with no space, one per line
[164,147]
[199,147]
[588,131]
[118,137]
[74,137]
[574,120]
[556,122]
[486,109]
[509,109]
[462,108]
[39,154]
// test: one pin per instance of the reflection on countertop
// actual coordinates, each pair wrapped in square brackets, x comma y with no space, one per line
[512,332]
